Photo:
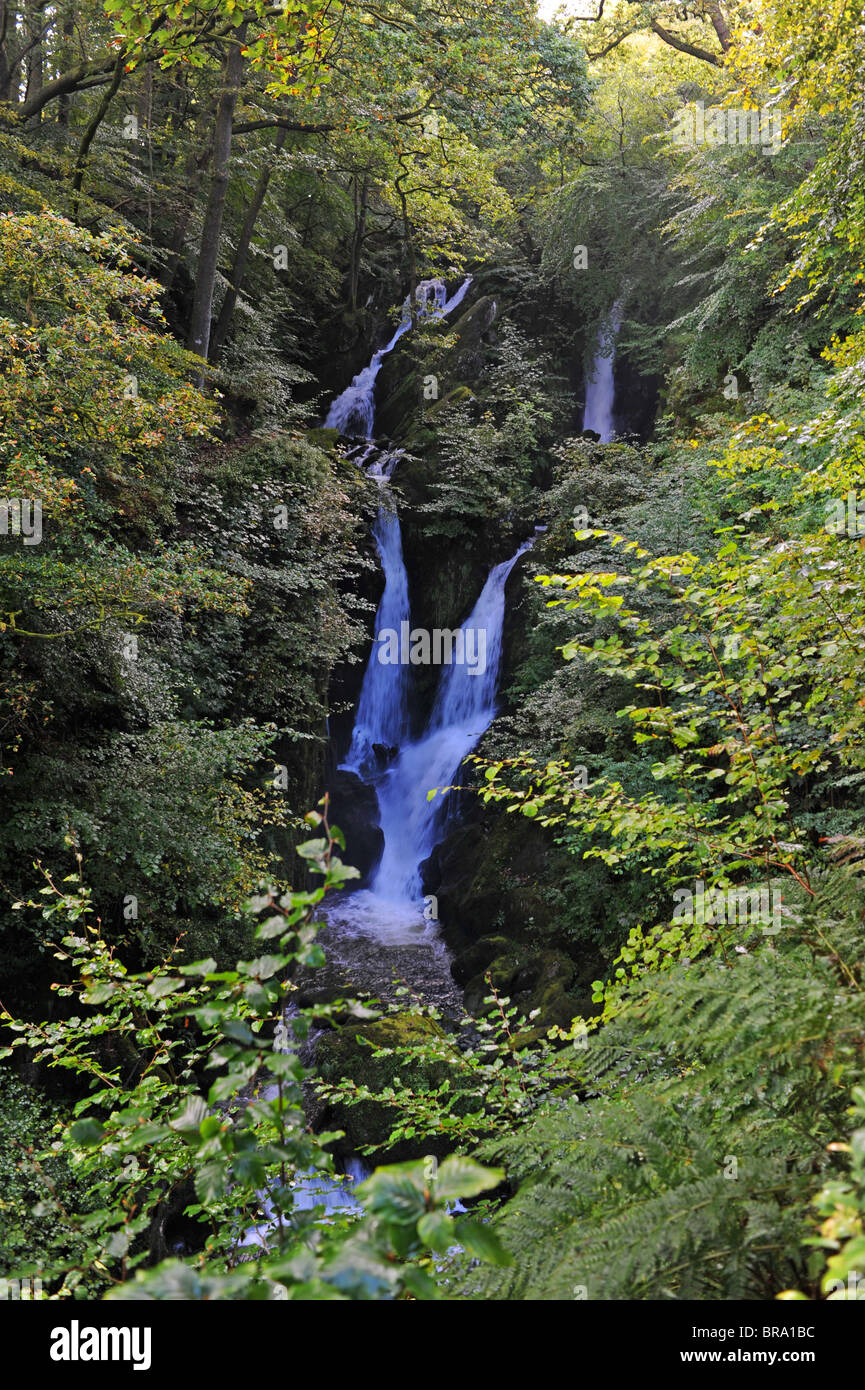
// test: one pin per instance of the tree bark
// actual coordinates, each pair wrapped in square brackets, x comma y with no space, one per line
[35,23]
[194,167]
[90,134]
[65,103]
[408,236]
[719,23]
[74,80]
[9,54]
[361,205]
[198,338]
[683,46]
[241,255]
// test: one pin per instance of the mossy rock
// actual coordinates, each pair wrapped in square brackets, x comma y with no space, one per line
[395,413]
[322,438]
[532,980]
[342,1055]
[478,957]
[489,883]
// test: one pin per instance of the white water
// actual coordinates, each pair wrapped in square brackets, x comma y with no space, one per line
[600,386]
[382,715]
[382,712]
[464,706]
[353,412]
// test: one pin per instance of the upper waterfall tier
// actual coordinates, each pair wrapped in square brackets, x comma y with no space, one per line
[600,385]
[353,412]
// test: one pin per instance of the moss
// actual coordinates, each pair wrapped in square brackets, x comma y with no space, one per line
[343,1055]
[547,981]
[322,438]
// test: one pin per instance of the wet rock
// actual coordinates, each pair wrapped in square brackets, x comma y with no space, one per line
[477,958]
[385,753]
[449,872]
[354,808]
[533,980]
[171,1232]
[492,881]
[344,1056]
[401,407]
[472,328]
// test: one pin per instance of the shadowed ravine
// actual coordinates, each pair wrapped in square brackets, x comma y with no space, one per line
[389,927]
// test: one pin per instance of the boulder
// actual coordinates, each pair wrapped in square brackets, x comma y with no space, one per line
[543,980]
[341,1055]
[354,808]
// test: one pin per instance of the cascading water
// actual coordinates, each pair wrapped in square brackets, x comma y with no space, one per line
[600,386]
[402,772]
[382,715]
[353,412]
[357,923]
[464,708]
[382,712]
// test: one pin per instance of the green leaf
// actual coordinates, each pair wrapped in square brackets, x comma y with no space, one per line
[211,1182]
[479,1239]
[190,1118]
[164,984]
[462,1177]
[419,1283]
[97,994]
[88,1133]
[396,1192]
[436,1230]
[198,967]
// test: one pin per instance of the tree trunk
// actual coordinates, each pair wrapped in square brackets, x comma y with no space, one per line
[35,73]
[90,133]
[197,161]
[241,255]
[719,23]
[357,242]
[91,74]
[9,58]
[65,103]
[198,339]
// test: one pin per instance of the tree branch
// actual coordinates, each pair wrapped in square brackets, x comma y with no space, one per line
[682,45]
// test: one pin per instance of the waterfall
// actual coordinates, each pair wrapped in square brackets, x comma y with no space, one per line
[382,711]
[600,386]
[382,716]
[464,708]
[353,412]
[402,770]
[457,298]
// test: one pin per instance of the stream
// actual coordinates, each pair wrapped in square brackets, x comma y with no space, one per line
[378,937]
[389,926]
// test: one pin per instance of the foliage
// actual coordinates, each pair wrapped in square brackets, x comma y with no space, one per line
[144,1131]
[495,1072]
[684,1165]
[841,1204]
[181,637]
[492,445]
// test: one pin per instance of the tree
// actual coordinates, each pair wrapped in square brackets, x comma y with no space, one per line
[701,30]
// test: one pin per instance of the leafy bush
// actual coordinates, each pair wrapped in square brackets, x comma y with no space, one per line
[145,1133]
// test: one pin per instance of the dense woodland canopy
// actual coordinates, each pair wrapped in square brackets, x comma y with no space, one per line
[212,213]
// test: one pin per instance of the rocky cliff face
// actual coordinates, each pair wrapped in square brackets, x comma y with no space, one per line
[491,874]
